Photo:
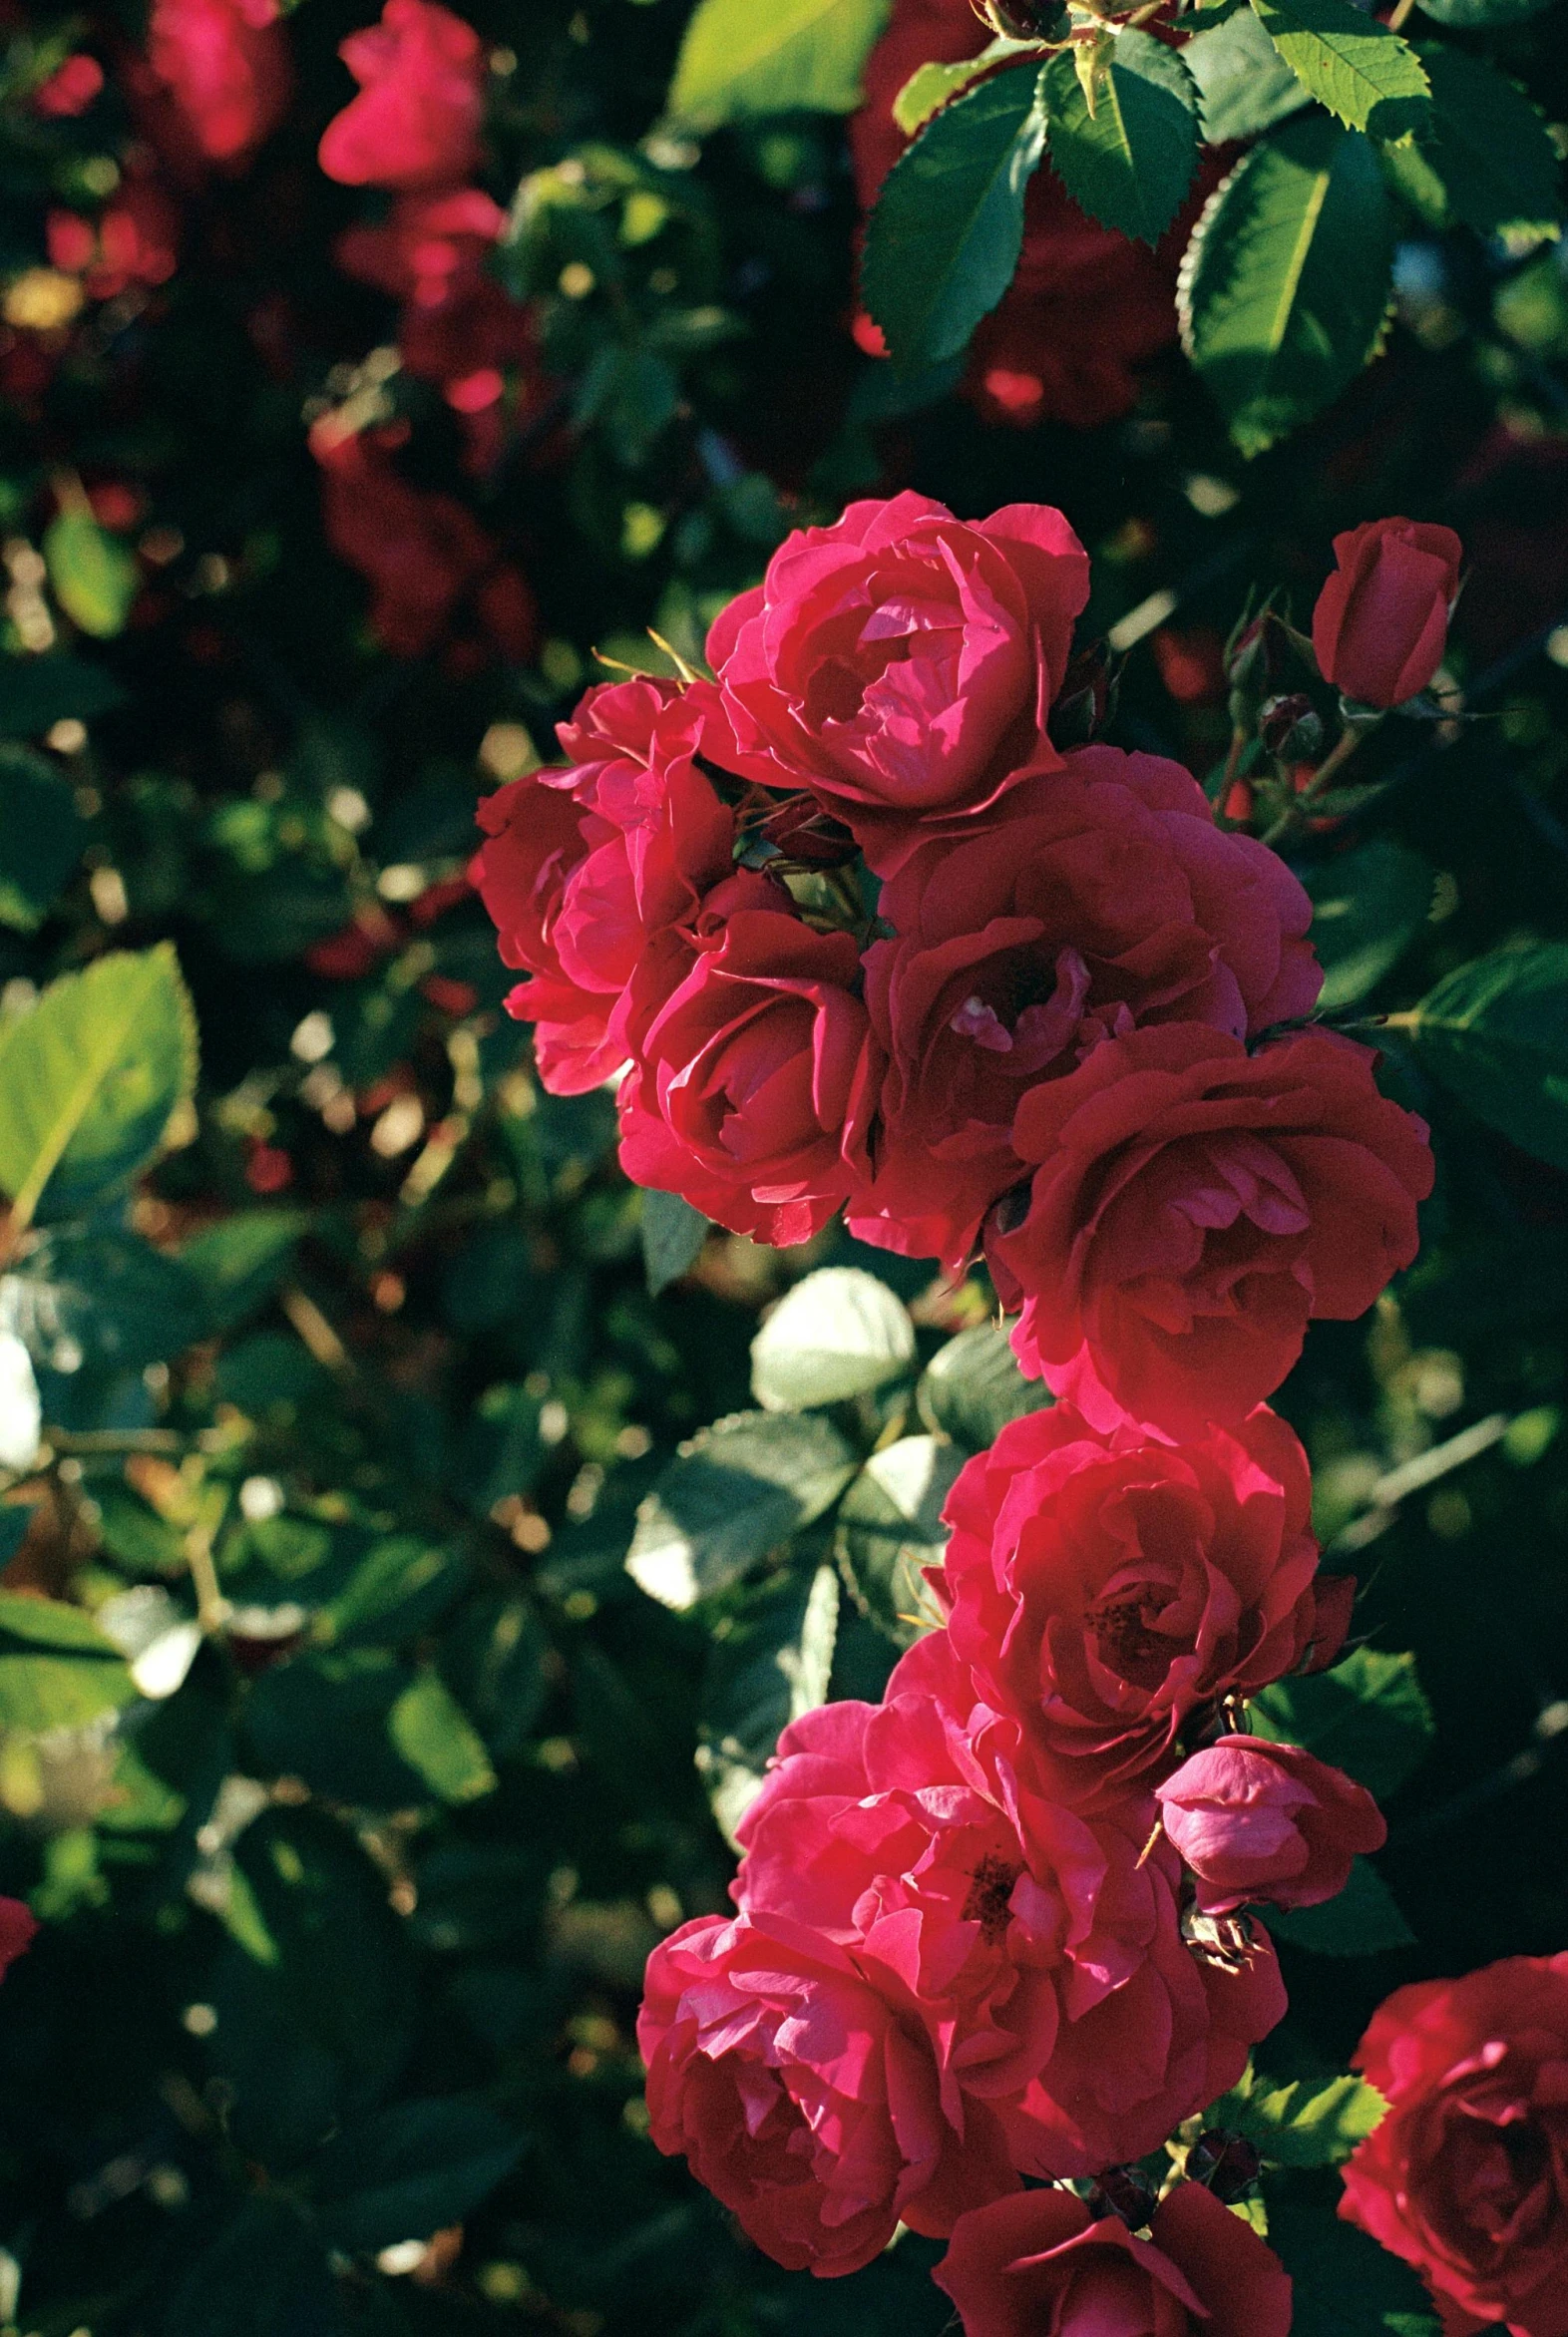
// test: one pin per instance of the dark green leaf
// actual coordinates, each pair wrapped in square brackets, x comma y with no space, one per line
[772,1661]
[1285,288]
[1244,84]
[1367,1716]
[1473,15]
[410,2172]
[737,1491]
[265,2272]
[1306,2123]
[1362,1921]
[673,1233]
[501,1663]
[103,1300]
[1367,77]
[972,1387]
[1368,908]
[37,692]
[1496,1033]
[90,1079]
[1130,162]
[41,837]
[944,237]
[891,1529]
[1345,2285]
[1487,160]
[15,1518]
[400,1586]
[839,1333]
[240,1261]
[738,61]
[323,1719]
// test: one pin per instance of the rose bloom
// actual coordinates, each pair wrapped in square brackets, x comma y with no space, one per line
[226,65]
[134,240]
[458,324]
[1039,2262]
[18,1930]
[1104,1586]
[745,1097]
[1467,2178]
[901,664]
[70,89]
[424,553]
[1267,1821]
[1382,620]
[583,866]
[1086,307]
[1194,1206]
[1042,1952]
[1091,901]
[800,2097]
[415,120]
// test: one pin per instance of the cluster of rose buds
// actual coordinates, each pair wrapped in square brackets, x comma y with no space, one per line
[851,930]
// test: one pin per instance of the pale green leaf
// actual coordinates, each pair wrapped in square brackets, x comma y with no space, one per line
[972,1387]
[1285,288]
[1244,84]
[740,58]
[90,1079]
[736,1492]
[1367,77]
[837,1333]
[943,240]
[1130,163]
[930,86]
[1306,2123]
[430,1729]
[891,1530]
[93,575]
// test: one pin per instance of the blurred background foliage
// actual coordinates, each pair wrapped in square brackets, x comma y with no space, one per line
[349,1771]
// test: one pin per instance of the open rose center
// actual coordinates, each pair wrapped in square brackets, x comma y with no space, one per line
[989,1900]
[1131,1641]
[1035,1010]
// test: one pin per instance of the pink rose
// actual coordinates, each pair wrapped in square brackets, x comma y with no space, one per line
[584,866]
[1255,1820]
[1382,620]
[1193,1208]
[415,120]
[1467,2178]
[746,1094]
[226,65]
[799,2098]
[1090,902]
[1104,1586]
[1039,2263]
[901,664]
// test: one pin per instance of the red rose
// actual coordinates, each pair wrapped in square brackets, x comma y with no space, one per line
[458,324]
[1089,902]
[1039,2262]
[1267,1821]
[585,865]
[1102,1585]
[1467,2178]
[18,1930]
[747,1096]
[135,240]
[415,120]
[1382,619]
[1085,305]
[424,553]
[799,2098]
[1194,1206]
[226,65]
[901,664]
[70,89]
[1040,1951]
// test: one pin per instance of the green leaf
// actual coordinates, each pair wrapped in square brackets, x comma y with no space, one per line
[739,60]
[1369,1717]
[889,1529]
[944,237]
[411,2171]
[499,1662]
[1306,2123]
[1130,163]
[736,1491]
[1345,2285]
[37,692]
[265,2272]
[673,1233]
[92,574]
[772,1661]
[324,1719]
[930,86]
[90,1079]
[1362,1920]
[240,1261]
[1285,286]
[41,837]
[403,1583]
[972,1387]
[1368,908]
[1367,77]
[102,1299]
[1487,160]
[57,1670]
[1496,1031]
[1244,84]
[837,1333]
[433,1733]
[1473,15]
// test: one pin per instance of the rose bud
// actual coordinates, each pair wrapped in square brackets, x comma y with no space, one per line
[1039,2263]
[1226,2164]
[1128,2193]
[1256,1820]
[1253,661]
[1382,620]
[803,830]
[1289,727]
[1087,697]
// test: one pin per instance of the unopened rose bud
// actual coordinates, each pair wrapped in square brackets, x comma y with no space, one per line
[1254,665]
[1225,2164]
[803,830]
[1129,2193]
[1289,727]
[1087,697]
[1382,620]
[1255,1820]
